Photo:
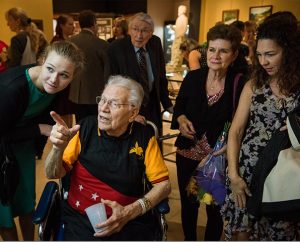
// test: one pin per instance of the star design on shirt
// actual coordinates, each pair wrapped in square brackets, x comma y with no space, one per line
[80,187]
[94,196]
[77,204]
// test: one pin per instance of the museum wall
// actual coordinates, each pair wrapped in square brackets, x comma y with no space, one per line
[160,10]
[211,10]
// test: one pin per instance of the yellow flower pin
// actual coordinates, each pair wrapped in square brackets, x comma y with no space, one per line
[136,149]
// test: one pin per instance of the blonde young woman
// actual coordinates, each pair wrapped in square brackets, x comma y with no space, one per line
[28,43]
[26,97]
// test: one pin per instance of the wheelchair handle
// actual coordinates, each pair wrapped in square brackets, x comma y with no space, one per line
[153,125]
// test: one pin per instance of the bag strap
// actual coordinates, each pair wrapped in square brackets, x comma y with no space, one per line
[235,85]
[293,128]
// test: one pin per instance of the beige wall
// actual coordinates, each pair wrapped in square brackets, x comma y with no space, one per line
[211,10]
[155,9]
[36,9]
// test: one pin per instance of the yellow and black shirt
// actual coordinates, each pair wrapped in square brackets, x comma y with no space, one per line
[111,167]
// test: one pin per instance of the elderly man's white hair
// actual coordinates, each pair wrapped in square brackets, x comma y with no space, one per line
[142,17]
[136,94]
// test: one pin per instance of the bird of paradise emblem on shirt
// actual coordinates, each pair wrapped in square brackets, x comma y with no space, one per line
[137,149]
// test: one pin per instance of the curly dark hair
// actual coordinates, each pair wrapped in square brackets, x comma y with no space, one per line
[281,28]
[226,32]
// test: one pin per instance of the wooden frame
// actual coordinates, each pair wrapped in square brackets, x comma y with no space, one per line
[229,16]
[258,13]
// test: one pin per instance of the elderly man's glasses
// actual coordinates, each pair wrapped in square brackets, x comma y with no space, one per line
[112,104]
[142,31]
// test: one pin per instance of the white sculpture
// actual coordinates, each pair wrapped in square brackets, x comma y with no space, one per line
[180,28]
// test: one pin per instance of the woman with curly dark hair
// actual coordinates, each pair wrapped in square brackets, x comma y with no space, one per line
[266,100]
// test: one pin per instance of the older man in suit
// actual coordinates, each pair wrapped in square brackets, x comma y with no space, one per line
[83,91]
[140,56]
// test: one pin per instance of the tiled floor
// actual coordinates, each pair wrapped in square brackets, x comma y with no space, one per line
[173,218]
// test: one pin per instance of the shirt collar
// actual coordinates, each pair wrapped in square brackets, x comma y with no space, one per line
[123,136]
[136,49]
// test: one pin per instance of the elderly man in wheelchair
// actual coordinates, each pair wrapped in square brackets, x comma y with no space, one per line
[108,158]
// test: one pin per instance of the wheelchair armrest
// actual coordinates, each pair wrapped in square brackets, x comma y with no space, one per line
[163,207]
[50,190]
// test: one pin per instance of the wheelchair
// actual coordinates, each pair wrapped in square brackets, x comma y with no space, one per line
[48,213]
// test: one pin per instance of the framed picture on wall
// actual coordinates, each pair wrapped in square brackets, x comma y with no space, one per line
[229,16]
[259,13]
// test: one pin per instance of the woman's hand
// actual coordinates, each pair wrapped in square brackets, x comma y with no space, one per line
[186,127]
[141,119]
[239,189]
[222,151]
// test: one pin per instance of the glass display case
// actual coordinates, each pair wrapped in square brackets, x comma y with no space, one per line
[104,28]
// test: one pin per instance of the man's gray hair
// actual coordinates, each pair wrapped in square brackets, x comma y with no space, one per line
[136,90]
[142,17]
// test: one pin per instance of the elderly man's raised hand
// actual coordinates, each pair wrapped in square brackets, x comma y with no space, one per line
[61,134]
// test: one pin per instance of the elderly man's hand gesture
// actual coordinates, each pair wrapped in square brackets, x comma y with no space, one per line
[61,134]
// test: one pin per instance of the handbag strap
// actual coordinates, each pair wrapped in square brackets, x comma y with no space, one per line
[293,128]
[235,84]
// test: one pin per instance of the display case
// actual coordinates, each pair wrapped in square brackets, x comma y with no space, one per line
[104,28]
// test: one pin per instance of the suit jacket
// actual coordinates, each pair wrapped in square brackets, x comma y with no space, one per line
[123,61]
[84,89]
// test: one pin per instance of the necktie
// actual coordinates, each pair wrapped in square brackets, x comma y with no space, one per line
[144,74]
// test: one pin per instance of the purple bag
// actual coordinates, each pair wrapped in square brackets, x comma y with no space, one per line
[210,177]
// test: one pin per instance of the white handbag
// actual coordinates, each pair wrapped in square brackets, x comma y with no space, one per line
[275,183]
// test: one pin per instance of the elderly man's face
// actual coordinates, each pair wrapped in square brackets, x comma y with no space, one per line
[140,32]
[114,110]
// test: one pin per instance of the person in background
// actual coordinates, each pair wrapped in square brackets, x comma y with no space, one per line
[120,29]
[125,58]
[249,39]
[191,52]
[84,90]
[116,179]
[206,101]
[266,100]
[25,46]
[240,25]
[26,93]
[64,28]
[3,56]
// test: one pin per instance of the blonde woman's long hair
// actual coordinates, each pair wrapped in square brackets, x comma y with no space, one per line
[35,35]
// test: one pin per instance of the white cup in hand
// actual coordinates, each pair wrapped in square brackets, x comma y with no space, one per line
[96,214]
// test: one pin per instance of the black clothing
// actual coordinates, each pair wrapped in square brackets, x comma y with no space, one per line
[123,61]
[209,120]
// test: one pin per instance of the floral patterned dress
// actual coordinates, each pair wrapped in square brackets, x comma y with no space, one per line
[267,114]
